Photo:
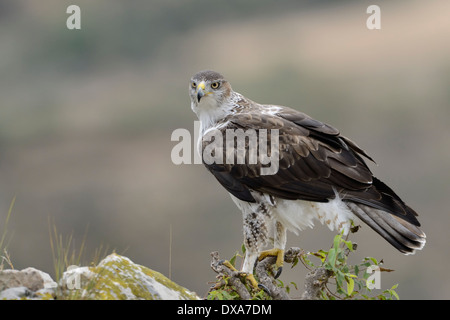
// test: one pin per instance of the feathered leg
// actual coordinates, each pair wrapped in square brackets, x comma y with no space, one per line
[278,247]
[255,238]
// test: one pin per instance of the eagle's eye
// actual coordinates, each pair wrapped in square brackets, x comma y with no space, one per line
[215,85]
[193,84]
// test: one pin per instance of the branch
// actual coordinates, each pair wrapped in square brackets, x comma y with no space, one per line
[262,271]
[317,279]
[266,278]
[225,272]
[315,282]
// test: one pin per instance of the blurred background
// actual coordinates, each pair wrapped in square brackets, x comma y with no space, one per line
[86,118]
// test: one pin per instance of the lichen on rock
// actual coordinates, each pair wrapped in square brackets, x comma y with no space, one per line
[118,278]
[114,278]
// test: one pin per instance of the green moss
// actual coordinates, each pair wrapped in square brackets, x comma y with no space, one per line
[118,278]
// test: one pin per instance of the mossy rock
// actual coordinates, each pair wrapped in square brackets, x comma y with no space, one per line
[118,278]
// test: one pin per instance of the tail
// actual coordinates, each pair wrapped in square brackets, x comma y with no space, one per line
[388,215]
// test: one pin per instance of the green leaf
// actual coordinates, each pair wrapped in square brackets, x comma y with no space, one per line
[294,284]
[392,291]
[332,257]
[233,260]
[395,294]
[294,263]
[337,241]
[345,268]
[349,245]
[340,278]
[321,254]
[350,286]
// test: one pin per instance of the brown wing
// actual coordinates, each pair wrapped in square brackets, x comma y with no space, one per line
[313,159]
[314,162]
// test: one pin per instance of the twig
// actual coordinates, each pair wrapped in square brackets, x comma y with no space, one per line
[266,279]
[262,271]
[315,282]
[233,277]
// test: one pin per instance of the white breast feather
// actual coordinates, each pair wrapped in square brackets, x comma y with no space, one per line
[297,215]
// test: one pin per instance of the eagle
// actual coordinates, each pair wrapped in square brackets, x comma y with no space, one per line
[319,174]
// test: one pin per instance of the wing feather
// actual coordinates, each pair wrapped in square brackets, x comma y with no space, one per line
[315,162]
[313,159]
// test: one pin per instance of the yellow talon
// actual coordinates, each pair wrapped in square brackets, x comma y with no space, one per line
[279,253]
[248,276]
[228,264]
[275,252]
[251,278]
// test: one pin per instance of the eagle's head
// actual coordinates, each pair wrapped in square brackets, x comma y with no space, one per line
[209,92]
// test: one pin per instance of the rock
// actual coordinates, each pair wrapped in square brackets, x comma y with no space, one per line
[76,278]
[114,278]
[30,278]
[15,293]
[118,278]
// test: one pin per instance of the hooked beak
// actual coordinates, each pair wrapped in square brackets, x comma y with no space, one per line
[200,91]
[200,94]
